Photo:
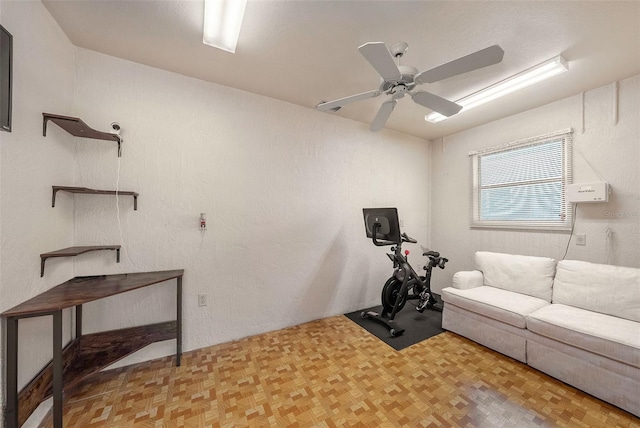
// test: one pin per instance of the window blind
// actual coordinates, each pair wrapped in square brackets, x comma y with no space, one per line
[522,184]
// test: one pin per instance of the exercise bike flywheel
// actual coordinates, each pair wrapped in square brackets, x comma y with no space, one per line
[390,293]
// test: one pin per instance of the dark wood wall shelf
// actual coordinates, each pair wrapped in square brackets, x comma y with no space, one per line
[87,354]
[78,128]
[76,251]
[85,190]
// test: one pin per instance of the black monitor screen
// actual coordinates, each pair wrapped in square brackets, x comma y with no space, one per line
[387,218]
[6,46]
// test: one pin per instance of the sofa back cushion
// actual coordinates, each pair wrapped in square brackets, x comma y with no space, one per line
[611,290]
[528,275]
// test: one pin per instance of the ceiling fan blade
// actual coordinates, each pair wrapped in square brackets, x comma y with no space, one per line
[436,103]
[346,100]
[382,116]
[482,58]
[380,58]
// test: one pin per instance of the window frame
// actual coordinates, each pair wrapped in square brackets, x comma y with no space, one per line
[562,224]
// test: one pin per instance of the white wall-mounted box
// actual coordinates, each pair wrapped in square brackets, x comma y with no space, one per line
[588,192]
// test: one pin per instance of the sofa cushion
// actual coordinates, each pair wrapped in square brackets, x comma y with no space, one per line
[528,275]
[607,289]
[611,337]
[502,305]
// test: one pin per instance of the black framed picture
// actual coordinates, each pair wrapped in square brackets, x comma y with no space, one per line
[6,71]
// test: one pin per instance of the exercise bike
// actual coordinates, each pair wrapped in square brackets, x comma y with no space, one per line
[405,283]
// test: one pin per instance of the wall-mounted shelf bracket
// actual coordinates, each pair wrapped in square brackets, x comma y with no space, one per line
[57,189]
[76,251]
[78,128]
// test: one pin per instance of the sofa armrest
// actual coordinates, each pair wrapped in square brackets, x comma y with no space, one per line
[464,280]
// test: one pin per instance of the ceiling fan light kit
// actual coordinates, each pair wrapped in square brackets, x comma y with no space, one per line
[542,71]
[400,80]
[222,23]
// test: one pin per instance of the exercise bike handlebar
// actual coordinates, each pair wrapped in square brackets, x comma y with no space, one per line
[374,233]
[380,243]
[406,238]
[442,262]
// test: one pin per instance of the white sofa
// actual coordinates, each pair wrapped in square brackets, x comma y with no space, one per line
[576,321]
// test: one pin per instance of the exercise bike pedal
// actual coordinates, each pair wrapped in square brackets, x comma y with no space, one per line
[434,308]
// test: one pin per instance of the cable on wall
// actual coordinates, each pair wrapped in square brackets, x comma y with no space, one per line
[593,168]
[122,243]
[573,224]
[609,247]
[582,108]
[616,95]
[117,201]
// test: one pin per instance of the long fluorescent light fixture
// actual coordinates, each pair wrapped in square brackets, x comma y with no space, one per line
[222,23]
[540,72]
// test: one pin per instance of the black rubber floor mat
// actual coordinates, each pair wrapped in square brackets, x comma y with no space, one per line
[417,326]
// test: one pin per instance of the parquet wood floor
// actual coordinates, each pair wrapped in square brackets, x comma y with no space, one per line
[332,373]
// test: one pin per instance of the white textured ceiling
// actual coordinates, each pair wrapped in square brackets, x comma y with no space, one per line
[305,52]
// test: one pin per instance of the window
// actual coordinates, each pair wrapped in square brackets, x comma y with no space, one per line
[522,185]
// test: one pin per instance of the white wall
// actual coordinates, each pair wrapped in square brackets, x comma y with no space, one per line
[283,187]
[43,81]
[604,152]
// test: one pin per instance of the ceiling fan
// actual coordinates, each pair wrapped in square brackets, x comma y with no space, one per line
[400,80]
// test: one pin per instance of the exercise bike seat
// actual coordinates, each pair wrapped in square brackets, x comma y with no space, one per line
[431,254]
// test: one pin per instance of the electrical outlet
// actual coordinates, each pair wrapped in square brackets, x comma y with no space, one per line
[202,300]
[581,239]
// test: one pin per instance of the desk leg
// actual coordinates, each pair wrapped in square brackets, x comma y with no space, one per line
[57,369]
[78,321]
[11,416]
[179,321]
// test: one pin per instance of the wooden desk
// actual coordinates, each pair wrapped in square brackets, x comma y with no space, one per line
[87,354]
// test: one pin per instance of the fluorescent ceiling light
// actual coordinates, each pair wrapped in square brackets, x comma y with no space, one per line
[521,80]
[222,22]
